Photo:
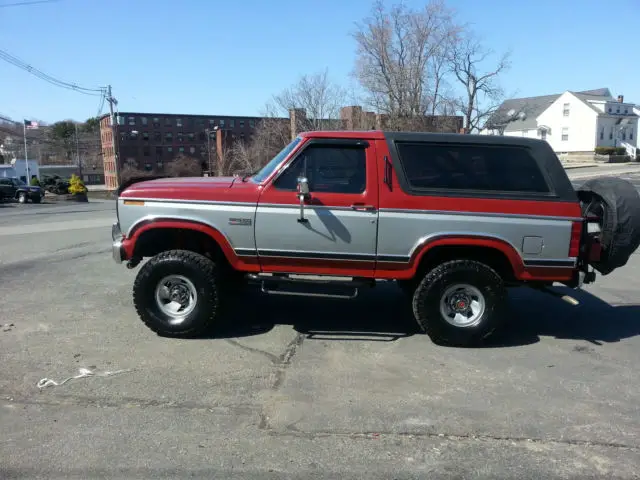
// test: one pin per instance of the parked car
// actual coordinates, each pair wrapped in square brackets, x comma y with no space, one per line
[13,188]
[453,219]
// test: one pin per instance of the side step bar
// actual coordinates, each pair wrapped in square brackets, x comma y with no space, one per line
[310,287]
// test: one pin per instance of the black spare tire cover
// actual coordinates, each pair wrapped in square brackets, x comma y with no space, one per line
[620,235]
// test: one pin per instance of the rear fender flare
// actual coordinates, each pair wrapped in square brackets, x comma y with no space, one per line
[426,244]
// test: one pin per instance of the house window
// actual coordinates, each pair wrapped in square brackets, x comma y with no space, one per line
[252,123]
[191,137]
[222,123]
[168,137]
[626,110]
[181,149]
[565,110]
[144,121]
[156,122]
[611,134]
[242,136]
[232,123]
[167,122]
[212,123]
[145,136]
[192,150]
[132,120]
[120,120]
[618,109]
[147,167]
[201,136]
[178,122]
[609,109]
[241,123]
[180,137]
[602,133]
[157,137]
[146,151]
[624,134]
[159,152]
[565,134]
[170,150]
[631,135]
[200,122]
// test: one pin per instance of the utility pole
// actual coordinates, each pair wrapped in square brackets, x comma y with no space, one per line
[26,156]
[114,131]
[78,153]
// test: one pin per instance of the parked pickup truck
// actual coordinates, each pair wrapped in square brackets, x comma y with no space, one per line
[453,219]
[12,188]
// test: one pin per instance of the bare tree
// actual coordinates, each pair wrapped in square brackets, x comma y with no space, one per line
[317,95]
[401,58]
[483,94]
[183,166]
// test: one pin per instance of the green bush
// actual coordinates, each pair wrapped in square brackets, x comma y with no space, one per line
[35,182]
[76,185]
[611,151]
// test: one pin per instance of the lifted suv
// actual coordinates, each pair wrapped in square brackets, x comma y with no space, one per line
[453,219]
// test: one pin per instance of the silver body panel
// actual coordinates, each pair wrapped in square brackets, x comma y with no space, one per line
[388,235]
[330,232]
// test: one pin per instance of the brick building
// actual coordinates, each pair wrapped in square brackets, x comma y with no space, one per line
[146,141]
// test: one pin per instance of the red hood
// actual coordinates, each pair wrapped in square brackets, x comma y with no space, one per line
[231,189]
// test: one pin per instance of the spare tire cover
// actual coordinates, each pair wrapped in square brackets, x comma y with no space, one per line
[620,236]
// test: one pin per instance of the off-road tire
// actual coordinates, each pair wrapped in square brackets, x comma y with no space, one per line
[204,275]
[428,294]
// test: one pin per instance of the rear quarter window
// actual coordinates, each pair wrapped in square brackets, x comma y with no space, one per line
[481,168]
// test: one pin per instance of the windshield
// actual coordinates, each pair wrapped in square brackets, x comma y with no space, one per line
[18,182]
[275,161]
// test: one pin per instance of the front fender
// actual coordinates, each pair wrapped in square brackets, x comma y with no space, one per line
[151,223]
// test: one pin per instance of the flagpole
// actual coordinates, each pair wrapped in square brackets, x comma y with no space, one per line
[26,156]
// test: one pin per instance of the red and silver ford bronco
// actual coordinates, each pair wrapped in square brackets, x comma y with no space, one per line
[453,219]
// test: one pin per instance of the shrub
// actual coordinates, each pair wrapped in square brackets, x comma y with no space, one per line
[611,150]
[76,185]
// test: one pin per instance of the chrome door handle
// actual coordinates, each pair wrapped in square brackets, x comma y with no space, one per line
[360,207]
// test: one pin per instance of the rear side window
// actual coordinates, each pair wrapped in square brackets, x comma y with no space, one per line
[500,169]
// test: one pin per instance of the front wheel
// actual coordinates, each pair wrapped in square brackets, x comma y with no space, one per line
[176,293]
[22,197]
[460,303]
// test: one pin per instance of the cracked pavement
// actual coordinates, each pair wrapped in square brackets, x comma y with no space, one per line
[295,388]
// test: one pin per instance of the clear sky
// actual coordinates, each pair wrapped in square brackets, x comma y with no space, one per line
[226,57]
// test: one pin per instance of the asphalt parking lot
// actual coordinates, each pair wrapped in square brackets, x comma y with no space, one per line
[293,388]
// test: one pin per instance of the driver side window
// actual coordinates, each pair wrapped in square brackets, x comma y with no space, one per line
[329,169]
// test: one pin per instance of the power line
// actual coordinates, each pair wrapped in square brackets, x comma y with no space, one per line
[96,92]
[32,2]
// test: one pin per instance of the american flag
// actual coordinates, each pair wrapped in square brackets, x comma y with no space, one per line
[30,125]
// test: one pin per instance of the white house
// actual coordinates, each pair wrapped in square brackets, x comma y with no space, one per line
[572,122]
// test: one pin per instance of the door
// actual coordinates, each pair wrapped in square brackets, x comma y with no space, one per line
[7,190]
[339,234]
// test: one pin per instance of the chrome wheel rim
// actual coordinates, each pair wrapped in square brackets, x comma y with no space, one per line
[176,296]
[462,305]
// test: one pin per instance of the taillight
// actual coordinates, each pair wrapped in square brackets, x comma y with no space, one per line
[576,234]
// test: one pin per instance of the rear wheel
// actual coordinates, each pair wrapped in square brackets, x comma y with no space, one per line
[460,303]
[177,293]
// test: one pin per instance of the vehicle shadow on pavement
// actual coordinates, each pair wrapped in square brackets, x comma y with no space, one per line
[382,314]
[536,314]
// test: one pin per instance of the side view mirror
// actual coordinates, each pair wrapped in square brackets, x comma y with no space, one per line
[303,195]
